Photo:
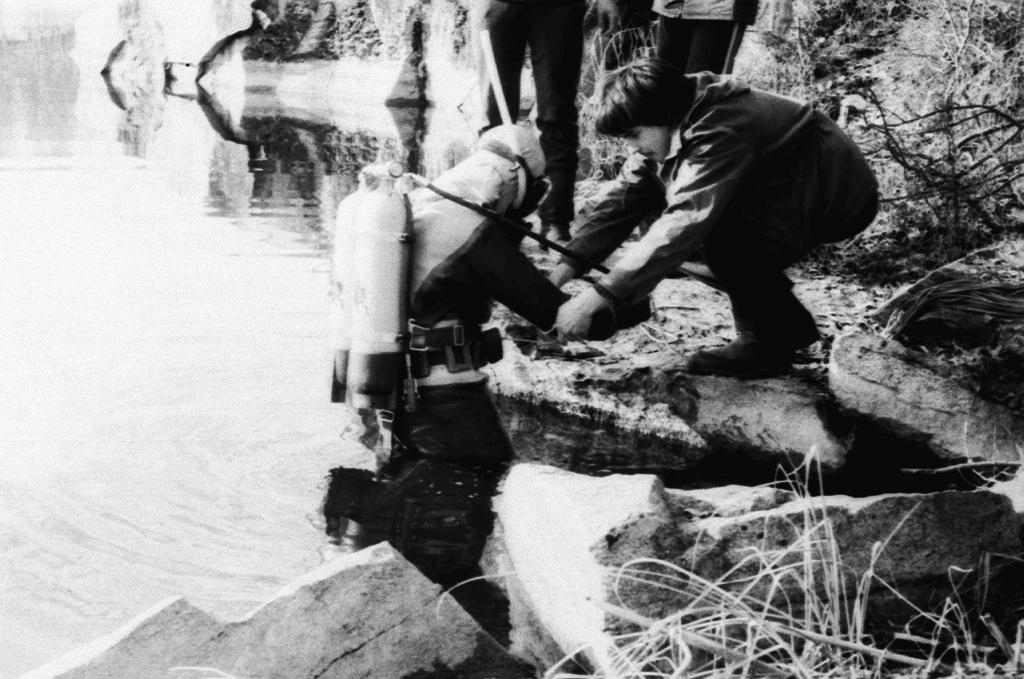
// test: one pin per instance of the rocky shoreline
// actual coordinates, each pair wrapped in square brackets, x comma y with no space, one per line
[742,466]
[870,436]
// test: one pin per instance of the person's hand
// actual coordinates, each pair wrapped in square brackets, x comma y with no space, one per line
[561,274]
[780,15]
[608,20]
[574,317]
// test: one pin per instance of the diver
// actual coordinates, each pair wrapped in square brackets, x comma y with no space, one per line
[441,443]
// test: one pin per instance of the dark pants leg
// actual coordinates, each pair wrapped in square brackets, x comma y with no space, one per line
[750,269]
[556,54]
[508,24]
[554,33]
[458,422]
[434,503]
[696,46]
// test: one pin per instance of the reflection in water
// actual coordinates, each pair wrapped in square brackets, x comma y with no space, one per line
[302,157]
[134,76]
[226,53]
[294,157]
[164,325]
[437,513]
[408,101]
[38,90]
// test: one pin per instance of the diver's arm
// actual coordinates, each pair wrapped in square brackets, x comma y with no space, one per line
[503,273]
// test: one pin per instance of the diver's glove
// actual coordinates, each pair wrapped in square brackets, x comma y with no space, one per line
[606,321]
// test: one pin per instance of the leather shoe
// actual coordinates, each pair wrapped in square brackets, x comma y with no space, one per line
[744,357]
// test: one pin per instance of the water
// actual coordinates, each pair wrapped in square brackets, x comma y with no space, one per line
[164,369]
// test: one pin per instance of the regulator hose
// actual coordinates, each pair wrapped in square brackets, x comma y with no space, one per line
[505,221]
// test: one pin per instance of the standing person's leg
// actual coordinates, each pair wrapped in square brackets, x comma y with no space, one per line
[696,46]
[771,323]
[713,46]
[673,39]
[508,26]
[556,53]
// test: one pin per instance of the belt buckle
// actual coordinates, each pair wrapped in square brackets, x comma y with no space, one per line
[458,335]
[417,337]
[456,366]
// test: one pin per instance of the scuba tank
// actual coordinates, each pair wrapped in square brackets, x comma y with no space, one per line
[341,287]
[373,258]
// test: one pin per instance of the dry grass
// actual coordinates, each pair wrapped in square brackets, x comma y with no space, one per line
[998,301]
[746,623]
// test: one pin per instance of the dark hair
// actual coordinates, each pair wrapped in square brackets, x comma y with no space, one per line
[647,92]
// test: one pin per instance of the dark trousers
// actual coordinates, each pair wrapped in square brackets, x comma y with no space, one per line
[749,265]
[554,33]
[750,271]
[457,422]
[696,46]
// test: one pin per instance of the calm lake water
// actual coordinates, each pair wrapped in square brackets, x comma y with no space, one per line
[164,364]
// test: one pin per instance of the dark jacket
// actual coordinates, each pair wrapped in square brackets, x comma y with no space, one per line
[743,11]
[741,155]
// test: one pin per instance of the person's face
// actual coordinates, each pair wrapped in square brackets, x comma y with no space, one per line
[650,141]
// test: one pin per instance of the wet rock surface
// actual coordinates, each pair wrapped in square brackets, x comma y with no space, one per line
[780,420]
[369,613]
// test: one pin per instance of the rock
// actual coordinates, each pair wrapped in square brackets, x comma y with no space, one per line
[552,525]
[573,421]
[924,535]
[566,536]
[1013,490]
[779,420]
[364,614]
[147,646]
[881,380]
[730,500]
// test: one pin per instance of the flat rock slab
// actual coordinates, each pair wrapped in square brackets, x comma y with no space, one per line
[778,420]
[881,380]
[566,536]
[366,614]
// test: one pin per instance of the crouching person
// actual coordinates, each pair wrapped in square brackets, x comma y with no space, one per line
[750,180]
[442,446]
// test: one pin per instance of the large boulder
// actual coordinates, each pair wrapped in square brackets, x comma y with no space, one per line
[367,614]
[948,362]
[780,420]
[566,536]
[889,384]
